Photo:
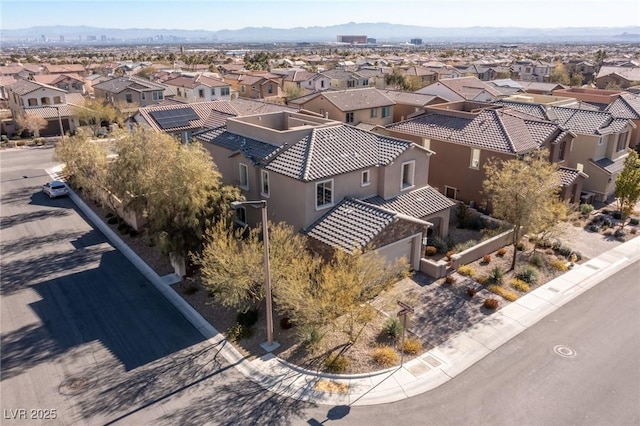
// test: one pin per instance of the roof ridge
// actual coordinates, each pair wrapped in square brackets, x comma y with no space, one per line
[305,172]
[499,114]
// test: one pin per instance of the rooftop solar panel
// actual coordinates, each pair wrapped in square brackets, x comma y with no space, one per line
[179,117]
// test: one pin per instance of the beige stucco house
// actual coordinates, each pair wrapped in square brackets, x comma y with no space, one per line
[462,89]
[344,187]
[198,88]
[130,91]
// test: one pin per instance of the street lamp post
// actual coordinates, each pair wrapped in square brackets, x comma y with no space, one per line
[269,345]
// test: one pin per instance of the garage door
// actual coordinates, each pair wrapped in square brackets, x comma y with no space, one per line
[400,249]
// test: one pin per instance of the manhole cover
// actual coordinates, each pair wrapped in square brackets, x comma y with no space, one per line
[564,351]
[74,385]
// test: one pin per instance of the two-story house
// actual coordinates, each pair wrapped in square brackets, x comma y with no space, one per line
[600,146]
[310,81]
[466,135]
[627,106]
[532,70]
[618,76]
[198,88]
[344,187]
[462,89]
[48,102]
[130,91]
[259,86]
[419,76]
[70,83]
[354,107]
[342,79]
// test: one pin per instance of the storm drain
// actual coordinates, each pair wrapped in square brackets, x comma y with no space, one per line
[564,351]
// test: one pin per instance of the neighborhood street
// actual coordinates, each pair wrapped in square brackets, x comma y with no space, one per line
[85,339]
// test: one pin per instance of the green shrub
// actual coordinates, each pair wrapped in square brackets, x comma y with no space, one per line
[496,275]
[466,270]
[393,327]
[537,260]
[385,356]
[430,251]
[247,318]
[617,215]
[109,215]
[440,245]
[458,248]
[337,363]
[412,346]
[527,274]
[565,251]
[586,209]
[491,303]
[310,337]
[519,285]
[559,265]
[503,292]
[520,246]
[238,332]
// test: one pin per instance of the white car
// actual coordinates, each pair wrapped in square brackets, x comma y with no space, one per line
[55,189]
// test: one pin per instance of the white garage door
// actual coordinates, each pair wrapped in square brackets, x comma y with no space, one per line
[400,249]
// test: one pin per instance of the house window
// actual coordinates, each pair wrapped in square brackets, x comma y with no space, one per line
[351,83]
[224,91]
[349,118]
[600,141]
[64,86]
[129,98]
[241,215]
[201,93]
[243,89]
[244,176]
[324,194]
[179,92]
[365,82]
[57,100]
[408,174]
[45,101]
[563,150]
[157,96]
[32,102]
[366,178]
[270,89]
[264,183]
[622,142]
[475,158]
[374,112]
[322,84]
[143,96]
[450,192]
[385,112]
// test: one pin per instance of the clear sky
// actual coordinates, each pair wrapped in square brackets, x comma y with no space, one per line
[216,15]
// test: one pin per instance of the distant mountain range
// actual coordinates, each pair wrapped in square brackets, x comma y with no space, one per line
[381,32]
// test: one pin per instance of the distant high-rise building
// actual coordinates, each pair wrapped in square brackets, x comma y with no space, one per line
[43,38]
[416,41]
[352,39]
[62,39]
[371,40]
[91,38]
[103,38]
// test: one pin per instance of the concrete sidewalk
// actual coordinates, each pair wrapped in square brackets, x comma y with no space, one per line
[419,375]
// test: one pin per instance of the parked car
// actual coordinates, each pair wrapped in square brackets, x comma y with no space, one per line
[55,189]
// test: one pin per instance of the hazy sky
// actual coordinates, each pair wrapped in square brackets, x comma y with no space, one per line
[217,15]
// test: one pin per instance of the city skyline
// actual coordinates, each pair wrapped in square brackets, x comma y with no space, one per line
[225,15]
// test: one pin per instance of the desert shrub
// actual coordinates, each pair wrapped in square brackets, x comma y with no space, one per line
[239,332]
[565,251]
[586,209]
[537,260]
[285,323]
[617,215]
[189,288]
[458,248]
[466,270]
[430,251]
[112,220]
[310,337]
[634,231]
[124,228]
[450,279]
[412,346]
[527,274]
[247,318]
[607,222]
[620,233]
[606,211]
[486,259]
[385,356]
[634,221]
[449,254]
[475,223]
[462,213]
[520,246]
[337,363]
[594,227]
[559,265]
[501,252]
[491,303]
[440,245]
[496,275]
[471,291]
[503,292]
[519,285]
[484,280]
[393,327]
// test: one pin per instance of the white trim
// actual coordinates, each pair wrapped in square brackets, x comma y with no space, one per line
[455,192]
[264,173]
[315,195]
[474,163]
[237,220]
[412,178]
[246,176]
[368,181]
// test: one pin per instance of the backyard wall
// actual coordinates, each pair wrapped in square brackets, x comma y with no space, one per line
[479,250]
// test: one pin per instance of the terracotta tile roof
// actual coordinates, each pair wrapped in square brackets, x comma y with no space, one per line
[536,110]
[22,87]
[418,203]
[568,176]
[191,82]
[244,106]
[357,99]
[11,69]
[469,87]
[334,150]
[626,106]
[119,84]
[628,73]
[350,225]
[211,114]
[411,98]
[64,68]
[254,150]
[51,112]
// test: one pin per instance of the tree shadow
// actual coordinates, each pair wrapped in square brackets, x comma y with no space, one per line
[25,348]
[22,218]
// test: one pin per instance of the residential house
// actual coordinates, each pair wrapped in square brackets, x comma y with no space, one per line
[507,86]
[70,83]
[462,89]
[78,69]
[408,104]
[342,79]
[418,76]
[599,98]
[627,106]
[309,81]
[376,76]
[130,91]
[256,86]
[541,88]
[343,187]
[48,102]
[465,135]
[353,107]
[531,70]
[621,77]
[5,80]
[579,66]
[600,146]
[198,88]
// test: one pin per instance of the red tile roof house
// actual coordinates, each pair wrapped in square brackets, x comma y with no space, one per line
[628,106]
[465,135]
[345,188]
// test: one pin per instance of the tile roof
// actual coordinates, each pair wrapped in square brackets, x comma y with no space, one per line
[469,87]
[334,150]
[119,84]
[254,150]
[418,203]
[192,82]
[244,106]
[51,112]
[357,99]
[211,114]
[629,73]
[410,98]
[611,166]
[350,225]
[626,106]
[568,176]
[536,110]
[22,87]
[583,121]
[499,130]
